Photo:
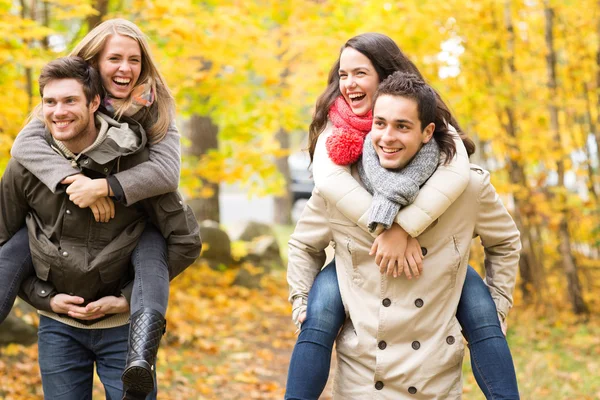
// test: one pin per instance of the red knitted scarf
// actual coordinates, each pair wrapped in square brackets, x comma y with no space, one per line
[345,143]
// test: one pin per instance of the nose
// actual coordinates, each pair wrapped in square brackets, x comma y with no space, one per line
[125,67]
[350,82]
[60,109]
[387,136]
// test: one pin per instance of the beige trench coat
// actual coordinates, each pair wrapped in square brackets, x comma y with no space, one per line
[402,339]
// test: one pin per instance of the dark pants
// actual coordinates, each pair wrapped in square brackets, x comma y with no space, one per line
[151,281]
[67,356]
[490,356]
[15,265]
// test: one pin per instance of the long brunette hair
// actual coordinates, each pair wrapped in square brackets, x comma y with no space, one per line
[387,58]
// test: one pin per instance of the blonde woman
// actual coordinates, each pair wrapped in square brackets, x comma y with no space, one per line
[134,88]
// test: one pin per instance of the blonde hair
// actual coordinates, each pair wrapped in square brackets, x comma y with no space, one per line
[159,115]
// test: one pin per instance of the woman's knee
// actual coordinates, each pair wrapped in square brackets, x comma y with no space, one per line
[476,306]
[324,301]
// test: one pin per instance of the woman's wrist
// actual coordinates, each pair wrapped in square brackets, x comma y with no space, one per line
[102,187]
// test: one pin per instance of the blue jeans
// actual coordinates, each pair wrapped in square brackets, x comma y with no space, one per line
[311,358]
[67,356]
[491,360]
[15,264]
[490,356]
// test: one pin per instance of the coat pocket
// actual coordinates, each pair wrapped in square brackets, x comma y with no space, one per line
[448,354]
[116,266]
[455,261]
[42,256]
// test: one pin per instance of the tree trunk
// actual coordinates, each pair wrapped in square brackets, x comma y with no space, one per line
[567,259]
[203,135]
[93,20]
[597,132]
[283,203]
[531,270]
[591,129]
[27,12]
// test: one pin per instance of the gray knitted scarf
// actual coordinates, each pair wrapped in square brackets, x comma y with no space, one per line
[392,189]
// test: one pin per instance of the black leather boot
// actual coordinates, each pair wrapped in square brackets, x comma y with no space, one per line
[145,331]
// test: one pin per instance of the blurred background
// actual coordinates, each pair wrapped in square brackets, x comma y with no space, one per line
[522,78]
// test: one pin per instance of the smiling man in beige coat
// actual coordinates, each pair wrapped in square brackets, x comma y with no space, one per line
[402,339]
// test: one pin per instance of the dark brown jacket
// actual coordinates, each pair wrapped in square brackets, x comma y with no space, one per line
[74,254]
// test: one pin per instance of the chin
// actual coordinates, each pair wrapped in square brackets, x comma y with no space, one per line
[360,112]
[387,164]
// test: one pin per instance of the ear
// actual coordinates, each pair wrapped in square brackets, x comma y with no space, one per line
[95,103]
[428,132]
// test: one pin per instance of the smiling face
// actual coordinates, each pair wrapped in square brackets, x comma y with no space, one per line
[66,114]
[397,135]
[358,80]
[120,65]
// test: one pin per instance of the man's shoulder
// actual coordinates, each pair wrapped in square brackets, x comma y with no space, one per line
[479,177]
[478,172]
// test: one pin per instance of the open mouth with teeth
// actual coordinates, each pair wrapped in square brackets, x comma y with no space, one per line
[122,81]
[62,124]
[356,97]
[388,150]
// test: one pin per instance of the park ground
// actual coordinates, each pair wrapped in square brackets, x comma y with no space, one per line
[229,342]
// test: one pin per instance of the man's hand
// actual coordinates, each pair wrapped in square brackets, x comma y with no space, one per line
[389,248]
[84,191]
[413,258]
[108,305]
[103,209]
[65,304]
[503,324]
[302,317]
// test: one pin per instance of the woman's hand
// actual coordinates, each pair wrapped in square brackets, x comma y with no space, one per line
[413,258]
[84,191]
[103,209]
[389,249]
[503,324]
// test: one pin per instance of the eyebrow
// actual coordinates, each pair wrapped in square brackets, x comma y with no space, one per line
[74,96]
[403,121]
[121,55]
[354,69]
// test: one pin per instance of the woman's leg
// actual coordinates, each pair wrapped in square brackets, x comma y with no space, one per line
[311,358]
[491,360]
[15,264]
[149,300]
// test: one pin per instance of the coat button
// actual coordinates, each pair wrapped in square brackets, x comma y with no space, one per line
[412,390]
[68,212]
[416,345]
[64,253]
[378,385]
[86,162]
[386,302]
[450,340]
[382,345]
[105,170]
[419,303]
[424,251]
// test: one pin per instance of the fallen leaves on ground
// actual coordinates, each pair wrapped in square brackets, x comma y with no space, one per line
[230,342]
